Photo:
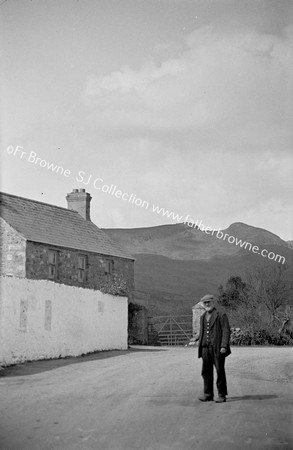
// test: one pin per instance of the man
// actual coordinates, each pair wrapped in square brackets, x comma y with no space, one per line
[213,348]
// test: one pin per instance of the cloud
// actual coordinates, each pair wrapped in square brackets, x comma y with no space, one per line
[226,90]
[127,79]
[211,128]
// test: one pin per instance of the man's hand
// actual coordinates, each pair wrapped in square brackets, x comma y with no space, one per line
[223,350]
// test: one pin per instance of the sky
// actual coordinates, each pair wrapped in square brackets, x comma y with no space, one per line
[182,104]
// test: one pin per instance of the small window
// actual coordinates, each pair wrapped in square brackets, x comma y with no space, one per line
[52,271]
[82,266]
[52,264]
[52,257]
[109,264]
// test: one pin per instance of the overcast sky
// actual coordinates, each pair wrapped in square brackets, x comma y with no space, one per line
[185,104]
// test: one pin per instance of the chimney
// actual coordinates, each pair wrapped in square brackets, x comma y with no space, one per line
[79,201]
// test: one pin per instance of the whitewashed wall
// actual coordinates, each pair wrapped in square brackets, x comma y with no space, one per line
[197,312]
[42,319]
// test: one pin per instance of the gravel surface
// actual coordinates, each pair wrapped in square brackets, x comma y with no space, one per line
[262,363]
[147,399]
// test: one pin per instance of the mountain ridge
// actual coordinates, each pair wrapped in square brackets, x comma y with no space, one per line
[179,241]
[176,264]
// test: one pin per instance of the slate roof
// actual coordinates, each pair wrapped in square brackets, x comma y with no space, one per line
[53,225]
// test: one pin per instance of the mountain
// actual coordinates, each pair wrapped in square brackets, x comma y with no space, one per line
[290,244]
[176,265]
[179,241]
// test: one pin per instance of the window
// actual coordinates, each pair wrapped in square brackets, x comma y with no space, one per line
[52,264]
[109,264]
[82,267]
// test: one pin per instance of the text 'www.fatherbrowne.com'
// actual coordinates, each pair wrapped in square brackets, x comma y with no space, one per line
[112,189]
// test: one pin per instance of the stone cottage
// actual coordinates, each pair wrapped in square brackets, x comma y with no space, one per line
[65,285]
[45,242]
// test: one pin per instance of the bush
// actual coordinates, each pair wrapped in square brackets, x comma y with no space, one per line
[257,307]
[260,337]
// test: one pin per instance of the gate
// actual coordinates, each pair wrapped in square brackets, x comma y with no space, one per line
[171,330]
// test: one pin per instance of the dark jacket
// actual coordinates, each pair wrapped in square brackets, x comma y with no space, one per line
[219,333]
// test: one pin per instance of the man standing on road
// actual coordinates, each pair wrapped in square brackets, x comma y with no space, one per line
[213,348]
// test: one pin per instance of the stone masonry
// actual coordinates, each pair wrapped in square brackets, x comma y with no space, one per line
[37,267]
[12,251]
[44,242]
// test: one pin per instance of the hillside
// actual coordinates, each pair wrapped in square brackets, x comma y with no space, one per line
[176,265]
[290,244]
[179,241]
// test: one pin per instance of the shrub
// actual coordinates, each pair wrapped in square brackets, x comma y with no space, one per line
[260,337]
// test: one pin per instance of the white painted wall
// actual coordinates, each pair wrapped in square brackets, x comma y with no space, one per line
[197,312]
[42,319]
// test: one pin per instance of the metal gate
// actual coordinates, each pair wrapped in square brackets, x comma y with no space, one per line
[171,330]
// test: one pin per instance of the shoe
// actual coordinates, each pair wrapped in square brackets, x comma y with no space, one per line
[205,398]
[221,400]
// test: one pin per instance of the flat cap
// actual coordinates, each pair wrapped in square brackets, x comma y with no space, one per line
[207,298]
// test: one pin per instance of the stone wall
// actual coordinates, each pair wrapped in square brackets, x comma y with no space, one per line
[37,267]
[12,251]
[137,324]
[43,319]
[21,258]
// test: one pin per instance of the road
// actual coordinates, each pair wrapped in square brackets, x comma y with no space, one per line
[146,399]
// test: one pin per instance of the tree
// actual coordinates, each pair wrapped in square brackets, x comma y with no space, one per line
[266,284]
[234,294]
[257,305]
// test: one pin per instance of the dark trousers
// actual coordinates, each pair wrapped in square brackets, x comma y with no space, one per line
[209,360]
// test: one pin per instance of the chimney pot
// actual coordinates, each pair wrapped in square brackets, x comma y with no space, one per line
[74,190]
[81,190]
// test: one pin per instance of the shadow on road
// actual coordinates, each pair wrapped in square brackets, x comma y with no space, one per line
[168,399]
[34,367]
[251,397]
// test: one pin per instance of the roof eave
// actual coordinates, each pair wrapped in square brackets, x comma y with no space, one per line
[79,249]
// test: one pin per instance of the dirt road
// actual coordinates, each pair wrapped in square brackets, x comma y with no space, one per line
[146,399]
